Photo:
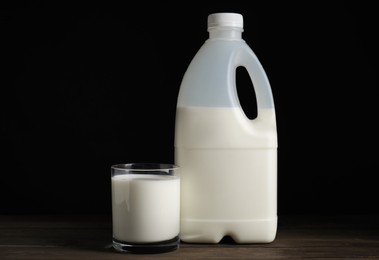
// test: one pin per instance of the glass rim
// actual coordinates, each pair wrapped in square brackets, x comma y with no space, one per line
[142,167]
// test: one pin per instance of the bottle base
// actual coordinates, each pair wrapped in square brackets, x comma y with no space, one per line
[241,231]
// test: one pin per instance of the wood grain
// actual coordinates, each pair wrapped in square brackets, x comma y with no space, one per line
[89,237]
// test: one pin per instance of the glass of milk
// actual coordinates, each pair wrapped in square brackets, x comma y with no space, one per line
[145,207]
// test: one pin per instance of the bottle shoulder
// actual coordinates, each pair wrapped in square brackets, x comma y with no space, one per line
[211,49]
[232,43]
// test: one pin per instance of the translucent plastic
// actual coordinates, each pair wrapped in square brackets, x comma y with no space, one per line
[210,79]
[228,162]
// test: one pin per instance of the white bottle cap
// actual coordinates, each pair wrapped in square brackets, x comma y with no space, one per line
[225,19]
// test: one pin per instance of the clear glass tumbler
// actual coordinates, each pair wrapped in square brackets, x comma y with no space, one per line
[145,207]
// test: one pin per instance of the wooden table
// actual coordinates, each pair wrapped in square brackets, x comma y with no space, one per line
[89,237]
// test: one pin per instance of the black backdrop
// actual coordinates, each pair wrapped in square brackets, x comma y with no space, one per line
[87,86]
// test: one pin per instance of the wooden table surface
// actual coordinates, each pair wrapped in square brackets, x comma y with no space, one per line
[89,237]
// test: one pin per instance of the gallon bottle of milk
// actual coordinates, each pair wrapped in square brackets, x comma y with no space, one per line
[228,161]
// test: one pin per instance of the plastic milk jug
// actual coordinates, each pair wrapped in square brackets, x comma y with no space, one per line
[228,161]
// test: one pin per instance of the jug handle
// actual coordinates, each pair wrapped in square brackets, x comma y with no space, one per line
[246,58]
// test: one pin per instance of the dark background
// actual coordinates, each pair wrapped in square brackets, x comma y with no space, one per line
[87,86]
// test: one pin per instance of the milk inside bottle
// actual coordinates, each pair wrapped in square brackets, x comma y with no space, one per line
[228,161]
